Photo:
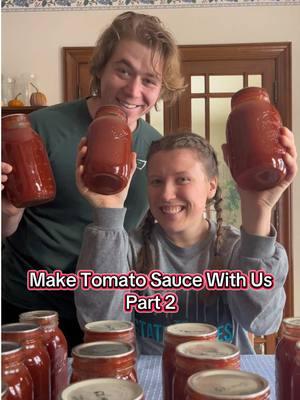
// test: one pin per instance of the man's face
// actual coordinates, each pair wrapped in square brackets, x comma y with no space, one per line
[132,79]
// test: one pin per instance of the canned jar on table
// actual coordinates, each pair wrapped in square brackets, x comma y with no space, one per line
[121,331]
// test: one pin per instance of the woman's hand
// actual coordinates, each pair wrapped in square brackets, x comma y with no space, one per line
[8,209]
[95,199]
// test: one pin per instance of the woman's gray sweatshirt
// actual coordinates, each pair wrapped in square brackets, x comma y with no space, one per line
[108,249]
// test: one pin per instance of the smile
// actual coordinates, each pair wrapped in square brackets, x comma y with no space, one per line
[128,106]
[171,210]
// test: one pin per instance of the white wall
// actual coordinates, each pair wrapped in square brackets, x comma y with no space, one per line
[32,42]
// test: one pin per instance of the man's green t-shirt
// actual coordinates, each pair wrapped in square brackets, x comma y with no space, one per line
[49,236]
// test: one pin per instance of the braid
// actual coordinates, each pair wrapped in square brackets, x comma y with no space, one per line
[145,262]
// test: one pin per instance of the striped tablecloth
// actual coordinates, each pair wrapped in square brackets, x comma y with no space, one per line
[149,373]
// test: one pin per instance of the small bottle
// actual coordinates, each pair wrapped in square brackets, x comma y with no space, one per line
[15,373]
[252,133]
[106,388]
[173,336]
[192,357]
[285,357]
[36,359]
[225,384]
[31,181]
[104,360]
[111,330]
[56,345]
[107,162]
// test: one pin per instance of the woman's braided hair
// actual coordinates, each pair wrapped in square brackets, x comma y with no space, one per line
[208,158]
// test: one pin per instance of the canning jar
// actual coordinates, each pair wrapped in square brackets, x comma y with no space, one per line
[36,357]
[104,359]
[31,181]
[56,346]
[111,330]
[173,336]
[107,162]
[285,357]
[225,384]
[252,133]
[15,373]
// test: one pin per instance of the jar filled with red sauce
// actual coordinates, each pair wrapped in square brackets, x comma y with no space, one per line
[225,384]
[192,357]
[15,373]
[36,359]
[31,181]
[56,346]
[175,335]
[107,162]
[252,133]
[296,374]
[103,388]
[111,330]
[104,360]
[285,357]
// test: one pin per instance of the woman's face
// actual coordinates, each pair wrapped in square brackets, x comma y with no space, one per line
[132,79]
[178,189]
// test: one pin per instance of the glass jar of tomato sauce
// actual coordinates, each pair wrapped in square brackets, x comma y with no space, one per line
[252,133]
[105,359]
[107,162]
[103,388]
[56,345]
[36,356]
[285,357]
[111,330]
[192,357]
[296,374]
[15,373]
[31,181]
[173,336]
[225,384]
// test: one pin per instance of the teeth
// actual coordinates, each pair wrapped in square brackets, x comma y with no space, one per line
[171,209]
[129,106]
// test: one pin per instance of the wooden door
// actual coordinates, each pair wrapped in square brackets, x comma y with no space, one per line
[213,74]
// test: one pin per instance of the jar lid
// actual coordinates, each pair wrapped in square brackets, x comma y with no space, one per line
[109,326]
[41,317]
[208,350]
[191,329]
[109,388]
[228,384]
[103,349]
[20,327]
[292,322]
[8,347]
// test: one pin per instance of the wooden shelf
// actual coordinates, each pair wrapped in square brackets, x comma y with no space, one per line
[19,110]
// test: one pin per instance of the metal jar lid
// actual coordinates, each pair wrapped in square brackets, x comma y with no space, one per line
[109,326]
[191,329]
[108,388]
[20,327]
[228,384]
[8,347]
[203,350]
[293,322]
[103,349]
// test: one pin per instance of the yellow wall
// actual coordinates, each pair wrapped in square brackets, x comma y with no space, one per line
[32,42]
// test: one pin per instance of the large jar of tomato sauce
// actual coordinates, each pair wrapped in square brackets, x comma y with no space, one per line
[222,384]
[36,356]
[31,181]
[173,336]
[285,357]
[111,330]
[15,373]
[107,162]
[103,388]
[252,133]
[296,374]
[104,360]
[56,345]
[192,357]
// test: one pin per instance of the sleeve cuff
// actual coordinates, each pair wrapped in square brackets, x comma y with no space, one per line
[109,219]
[253,246]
